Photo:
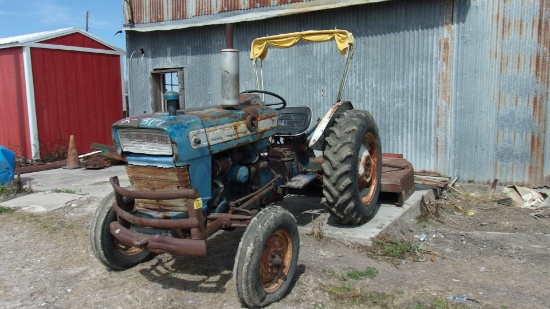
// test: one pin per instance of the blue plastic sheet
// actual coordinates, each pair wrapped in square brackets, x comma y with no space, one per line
[7,165]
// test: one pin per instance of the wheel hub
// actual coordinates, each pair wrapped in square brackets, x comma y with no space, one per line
[367,170]
[275,261]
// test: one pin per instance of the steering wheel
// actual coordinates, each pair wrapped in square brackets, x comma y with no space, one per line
[283,102]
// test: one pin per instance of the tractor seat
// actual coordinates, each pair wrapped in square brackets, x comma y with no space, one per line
[293,121]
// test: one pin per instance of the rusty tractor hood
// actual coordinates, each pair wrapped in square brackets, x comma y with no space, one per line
[193,133]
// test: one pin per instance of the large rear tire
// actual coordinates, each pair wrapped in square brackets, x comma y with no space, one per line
[352,167]
[266,258]
[107,249]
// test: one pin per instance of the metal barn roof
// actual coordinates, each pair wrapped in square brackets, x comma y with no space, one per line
[28,39]
[153,15]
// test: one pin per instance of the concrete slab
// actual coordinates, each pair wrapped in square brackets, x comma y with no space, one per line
[84,189]
[59,188]
[312,215]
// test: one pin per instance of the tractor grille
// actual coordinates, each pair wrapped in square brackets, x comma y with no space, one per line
[151,178]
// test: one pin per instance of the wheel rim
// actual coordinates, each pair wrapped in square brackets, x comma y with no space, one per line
[122,247]
[275,261]
[368,165]
[125,249]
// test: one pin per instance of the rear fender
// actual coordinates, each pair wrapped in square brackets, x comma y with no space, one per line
[318,137]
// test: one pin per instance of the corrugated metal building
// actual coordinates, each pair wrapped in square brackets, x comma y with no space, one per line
[54,84]
[460,87]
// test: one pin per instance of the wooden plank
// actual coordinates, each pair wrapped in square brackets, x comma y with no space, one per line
[150,178]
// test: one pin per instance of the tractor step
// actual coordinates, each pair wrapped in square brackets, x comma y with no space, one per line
[300,181]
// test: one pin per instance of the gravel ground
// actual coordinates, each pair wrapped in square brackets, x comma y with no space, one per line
[484,254]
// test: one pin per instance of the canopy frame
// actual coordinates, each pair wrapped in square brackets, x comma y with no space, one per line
[260,46]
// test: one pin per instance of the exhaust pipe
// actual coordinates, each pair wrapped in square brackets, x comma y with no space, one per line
[230,71]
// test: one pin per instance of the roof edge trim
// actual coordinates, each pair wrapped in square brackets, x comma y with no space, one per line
[25,40]
[207,20]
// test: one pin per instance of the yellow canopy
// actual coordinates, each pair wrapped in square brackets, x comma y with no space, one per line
[259,47]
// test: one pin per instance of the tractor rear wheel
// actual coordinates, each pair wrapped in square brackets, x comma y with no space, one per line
[266,258]
[352,167]
[107,249]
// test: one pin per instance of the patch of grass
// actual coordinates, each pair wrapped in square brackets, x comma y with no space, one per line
[330,273]
[8,190]
[424,223]
[11,189]
[316,229]
[45,221]
[36,219]
[6,210]
[69,226]
[400,250]
[69,191]
[350,296]
[369,272]
[353,274]
[440,303]
[395,249]
[436,303]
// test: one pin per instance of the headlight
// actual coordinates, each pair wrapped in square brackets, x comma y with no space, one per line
[151,142]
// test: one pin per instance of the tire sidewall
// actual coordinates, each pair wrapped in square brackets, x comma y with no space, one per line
[368,210]
[256,236]
[102,240]
[341,166]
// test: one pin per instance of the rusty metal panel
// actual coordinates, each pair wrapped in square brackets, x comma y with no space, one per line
[156,11]
[144,14]
[458,87]
[260,3]
[205,7]
[394,73]
[136,11]
[231,5]
[501,92]
[179,9]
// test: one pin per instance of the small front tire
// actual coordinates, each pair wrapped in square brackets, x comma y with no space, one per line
[107,249]
[266,258]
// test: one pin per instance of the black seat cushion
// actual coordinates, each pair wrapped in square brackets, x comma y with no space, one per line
[293,120]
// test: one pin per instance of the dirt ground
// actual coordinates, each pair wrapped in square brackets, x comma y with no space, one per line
[485,254]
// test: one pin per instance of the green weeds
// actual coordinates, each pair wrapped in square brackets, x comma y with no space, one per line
[351,296]
[6,210]
[69,191]
[353,274]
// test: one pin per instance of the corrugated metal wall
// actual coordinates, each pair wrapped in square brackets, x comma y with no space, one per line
[76,94]
[459,87]
[500,91]
[14,121]
[152,11]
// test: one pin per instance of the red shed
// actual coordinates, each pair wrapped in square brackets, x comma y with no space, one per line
[55,84]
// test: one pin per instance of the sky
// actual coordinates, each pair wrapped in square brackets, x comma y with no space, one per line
[18,17]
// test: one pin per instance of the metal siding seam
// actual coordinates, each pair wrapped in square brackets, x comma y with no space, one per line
[31,103]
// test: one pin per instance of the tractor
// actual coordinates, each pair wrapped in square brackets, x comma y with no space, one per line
[196,171]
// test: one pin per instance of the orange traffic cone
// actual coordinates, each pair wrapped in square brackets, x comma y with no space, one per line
[72,155]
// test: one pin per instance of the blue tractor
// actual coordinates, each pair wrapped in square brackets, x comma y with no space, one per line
[196,171]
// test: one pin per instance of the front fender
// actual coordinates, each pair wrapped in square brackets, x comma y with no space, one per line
[318,137]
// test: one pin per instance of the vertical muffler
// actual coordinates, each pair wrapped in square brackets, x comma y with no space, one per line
[230,71]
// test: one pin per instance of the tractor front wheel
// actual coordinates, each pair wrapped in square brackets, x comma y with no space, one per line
[352,167]
[107,249]
[266,258]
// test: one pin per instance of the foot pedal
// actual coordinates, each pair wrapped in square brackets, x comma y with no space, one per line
[299,181]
